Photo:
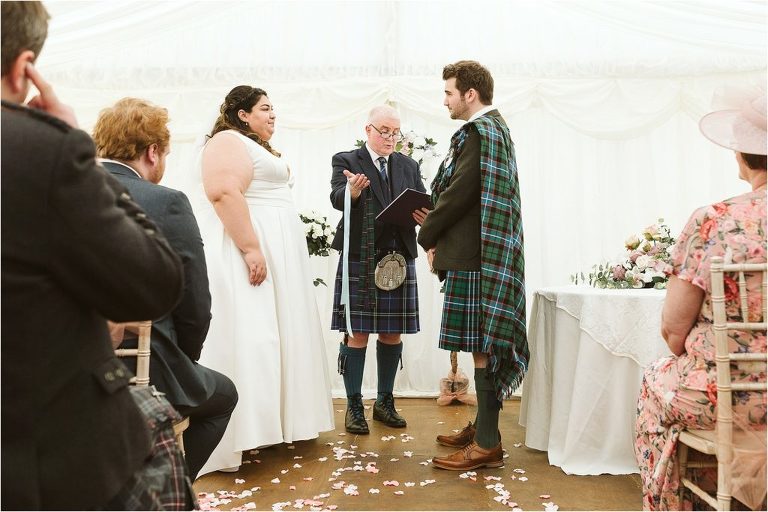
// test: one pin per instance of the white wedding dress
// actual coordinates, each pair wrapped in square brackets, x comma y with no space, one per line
[268,339]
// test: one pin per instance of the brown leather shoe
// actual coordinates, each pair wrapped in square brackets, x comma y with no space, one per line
[471,457]
[460,440]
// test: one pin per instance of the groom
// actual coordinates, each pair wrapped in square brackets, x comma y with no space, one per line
[474,240]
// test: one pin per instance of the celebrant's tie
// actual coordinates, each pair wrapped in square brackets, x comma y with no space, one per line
[384,179]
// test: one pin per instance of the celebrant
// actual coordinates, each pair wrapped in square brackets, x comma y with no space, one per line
[375,289]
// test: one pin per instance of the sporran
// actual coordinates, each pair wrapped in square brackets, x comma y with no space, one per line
[390,272]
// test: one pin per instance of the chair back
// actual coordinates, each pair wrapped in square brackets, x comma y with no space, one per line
[121,332]
[724,358]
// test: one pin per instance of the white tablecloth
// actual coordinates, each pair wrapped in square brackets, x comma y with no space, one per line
[588,351]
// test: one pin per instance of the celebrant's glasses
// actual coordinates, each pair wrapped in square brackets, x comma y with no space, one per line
[396,136]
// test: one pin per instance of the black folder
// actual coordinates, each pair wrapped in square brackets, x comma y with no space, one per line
[400,210]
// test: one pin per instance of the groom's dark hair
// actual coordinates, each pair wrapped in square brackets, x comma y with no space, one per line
[470,74]
[24,26]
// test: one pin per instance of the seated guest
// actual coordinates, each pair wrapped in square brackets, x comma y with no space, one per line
[680,391]
[72,435]
[133,140]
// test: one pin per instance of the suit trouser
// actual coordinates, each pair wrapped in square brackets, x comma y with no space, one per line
[207,422]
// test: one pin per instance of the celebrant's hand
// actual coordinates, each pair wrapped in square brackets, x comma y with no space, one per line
[356,183]
[420,215]
[47,100]
[257,267]
[430,258]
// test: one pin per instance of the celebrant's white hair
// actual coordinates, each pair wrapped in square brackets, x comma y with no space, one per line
[382,111]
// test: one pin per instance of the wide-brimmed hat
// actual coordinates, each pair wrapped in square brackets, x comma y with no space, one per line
[742,130]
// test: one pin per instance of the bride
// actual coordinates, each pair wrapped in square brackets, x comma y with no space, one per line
[265,333]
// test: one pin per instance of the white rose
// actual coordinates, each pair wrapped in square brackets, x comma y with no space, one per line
[643,261]
[417,154]
[419,141]
[328,231]
[632,242]
[316,231]
[307,229]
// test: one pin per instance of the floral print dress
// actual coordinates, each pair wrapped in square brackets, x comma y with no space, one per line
[681,392]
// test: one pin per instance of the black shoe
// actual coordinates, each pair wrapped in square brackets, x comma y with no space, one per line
[354,421]
[385,412]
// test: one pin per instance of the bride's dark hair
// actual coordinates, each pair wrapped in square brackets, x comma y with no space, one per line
[242,97]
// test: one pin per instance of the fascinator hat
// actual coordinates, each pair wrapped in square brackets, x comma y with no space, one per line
[742,127]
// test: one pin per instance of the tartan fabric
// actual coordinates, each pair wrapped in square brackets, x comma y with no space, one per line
[460,325]
[502,263]
[395,311]
[163,482]
[366,299]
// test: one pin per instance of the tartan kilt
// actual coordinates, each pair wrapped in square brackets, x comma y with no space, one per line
[460,326]
[396,312]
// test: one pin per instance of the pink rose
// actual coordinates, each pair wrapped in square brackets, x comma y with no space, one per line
[720,209]
[618,272]
[706,228]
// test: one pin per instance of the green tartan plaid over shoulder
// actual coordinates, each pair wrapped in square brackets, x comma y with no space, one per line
[501,259]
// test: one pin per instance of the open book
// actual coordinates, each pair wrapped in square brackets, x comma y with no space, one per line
[400,210]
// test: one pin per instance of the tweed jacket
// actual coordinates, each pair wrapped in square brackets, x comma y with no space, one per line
[177,338]
[403,173]
[76,250]
[453,227]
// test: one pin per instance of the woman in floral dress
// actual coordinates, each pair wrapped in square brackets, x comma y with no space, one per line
[680,391]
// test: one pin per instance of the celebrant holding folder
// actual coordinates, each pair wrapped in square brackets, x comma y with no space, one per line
[376,279]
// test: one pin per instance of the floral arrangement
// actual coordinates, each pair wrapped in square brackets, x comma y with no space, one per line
[319,236]
[420,148]
[640,266]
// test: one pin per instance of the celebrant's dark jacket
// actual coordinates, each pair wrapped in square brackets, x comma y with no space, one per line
[403,173]
[76,250]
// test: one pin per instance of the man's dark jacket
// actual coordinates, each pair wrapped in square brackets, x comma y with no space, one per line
[76,250]
[177,338]
[403,173]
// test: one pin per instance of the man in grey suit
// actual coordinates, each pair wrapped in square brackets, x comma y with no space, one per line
[73,437]
[133,141]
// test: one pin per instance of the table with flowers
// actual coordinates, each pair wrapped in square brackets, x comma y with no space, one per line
[589,347]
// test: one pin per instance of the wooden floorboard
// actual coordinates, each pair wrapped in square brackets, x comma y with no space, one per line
[315,478]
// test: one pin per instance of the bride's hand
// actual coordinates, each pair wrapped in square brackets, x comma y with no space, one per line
[257,267]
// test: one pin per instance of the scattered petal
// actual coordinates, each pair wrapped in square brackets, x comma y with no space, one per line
[308,478]
[255,489]
[284,471]
[399,493]
[518,470]
[296,457]
[296,466]
[410,484]
[275,480]
[393,460]
[254,452]
[441,423]
[517,445]
[374,491]
[292,487]
[545,496]
[523,478]
[391,483]
[342,433]
[291,447]
[323,459]
[250,505]
[239,481]
[408,454]
[425,463]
